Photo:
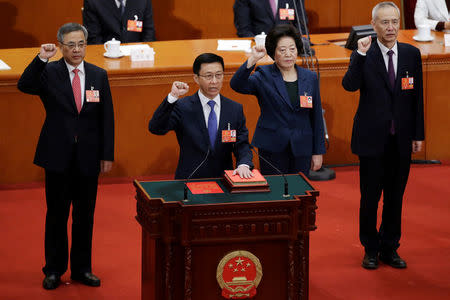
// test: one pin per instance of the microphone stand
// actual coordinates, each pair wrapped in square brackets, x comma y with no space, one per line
[185,198]
[286,185]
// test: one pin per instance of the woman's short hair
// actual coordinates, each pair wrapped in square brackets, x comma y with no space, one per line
[279,31]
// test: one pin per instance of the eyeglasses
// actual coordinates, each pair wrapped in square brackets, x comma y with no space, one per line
[210,76]
[72,46]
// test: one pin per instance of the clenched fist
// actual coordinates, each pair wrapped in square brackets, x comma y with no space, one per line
[179,89]
[258,52]
[47,51]
[364,44]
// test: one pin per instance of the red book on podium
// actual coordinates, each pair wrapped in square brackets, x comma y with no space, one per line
[236,184]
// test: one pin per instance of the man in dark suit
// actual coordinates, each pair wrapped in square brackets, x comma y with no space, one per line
[388,126]
[203,124]
[75,144]
[128,21]
[251,17]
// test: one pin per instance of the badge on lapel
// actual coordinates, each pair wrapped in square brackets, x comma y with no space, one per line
[228,136]
[407,82]
[306,101]
[92,95]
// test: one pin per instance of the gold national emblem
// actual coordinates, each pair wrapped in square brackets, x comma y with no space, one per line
[238,274]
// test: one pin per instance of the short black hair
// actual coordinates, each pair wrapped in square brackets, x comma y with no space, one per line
[68,28]
[206,58]
[279,31]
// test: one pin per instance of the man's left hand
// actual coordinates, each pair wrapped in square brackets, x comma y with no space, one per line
[416,146]
[316,162]
[105,166]
[243,171]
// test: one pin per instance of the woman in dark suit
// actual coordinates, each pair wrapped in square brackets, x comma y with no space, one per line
[289,132]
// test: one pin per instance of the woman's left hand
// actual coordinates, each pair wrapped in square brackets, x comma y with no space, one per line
[316,162]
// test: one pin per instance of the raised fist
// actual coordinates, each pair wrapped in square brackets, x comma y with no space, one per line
[47,51]
[364,44]
[179,89]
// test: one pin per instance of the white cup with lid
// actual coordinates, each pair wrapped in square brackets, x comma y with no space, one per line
[112,48]
[260,39]
[423,32]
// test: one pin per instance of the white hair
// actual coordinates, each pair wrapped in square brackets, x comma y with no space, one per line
[381,5]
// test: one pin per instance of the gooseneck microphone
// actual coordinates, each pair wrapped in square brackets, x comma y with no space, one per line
[185,199]
[286,185]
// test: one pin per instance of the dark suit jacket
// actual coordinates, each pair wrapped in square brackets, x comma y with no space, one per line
[251,17]
[93,127]
[186,117]
[103,21]
[379,103]
[281,123]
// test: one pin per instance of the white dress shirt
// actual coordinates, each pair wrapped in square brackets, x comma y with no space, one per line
[82,76]
[384,51]
[118,3]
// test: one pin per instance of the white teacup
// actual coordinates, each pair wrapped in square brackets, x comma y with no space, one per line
[112,47]
[260,39]
[423,32]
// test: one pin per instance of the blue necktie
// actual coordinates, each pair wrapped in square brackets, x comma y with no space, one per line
[212,124]
[121,7]
[391,75]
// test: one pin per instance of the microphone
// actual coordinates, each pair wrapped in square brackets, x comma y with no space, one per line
[307,50]
[286,185]
[185,199]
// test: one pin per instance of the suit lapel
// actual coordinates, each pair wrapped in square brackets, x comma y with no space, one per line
[301,81]
[111,6]
[268,10]
[66,85]
[197,109]
[401,67]
[380,66]
[280,85]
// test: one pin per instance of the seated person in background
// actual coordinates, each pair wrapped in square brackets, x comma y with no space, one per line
[251,17]
[128,21]
[433,13]
[201,122]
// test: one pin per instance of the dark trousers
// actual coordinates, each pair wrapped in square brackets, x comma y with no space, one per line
[62,190]
[385,174]
[285,161]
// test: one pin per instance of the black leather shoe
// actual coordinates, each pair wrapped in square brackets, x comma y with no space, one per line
[86,278]
[51,282]
[370,262]
[392,259]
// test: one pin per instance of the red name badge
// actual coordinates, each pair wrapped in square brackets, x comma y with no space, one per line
[134,25]
[306,101]
[92,96]
[407,83]
[287,14]
[228,136]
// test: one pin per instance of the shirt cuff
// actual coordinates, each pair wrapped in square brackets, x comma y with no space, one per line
[363,54]
[244,165]
[43,59]
[171,99]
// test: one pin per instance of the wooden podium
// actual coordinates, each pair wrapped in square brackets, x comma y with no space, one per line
[183,242]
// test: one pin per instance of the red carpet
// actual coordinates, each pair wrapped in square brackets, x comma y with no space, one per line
[336,254]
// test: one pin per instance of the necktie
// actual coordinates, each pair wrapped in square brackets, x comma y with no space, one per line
[76,87]
[212,124]
[391,71]
[121,7]
[391,75]
[273,5]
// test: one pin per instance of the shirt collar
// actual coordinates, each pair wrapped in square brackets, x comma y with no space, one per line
[204,100]
[384,49]
[79,67]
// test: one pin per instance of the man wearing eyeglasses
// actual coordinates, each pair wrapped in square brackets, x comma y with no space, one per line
[75,144]
[388,127]
[208,125]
